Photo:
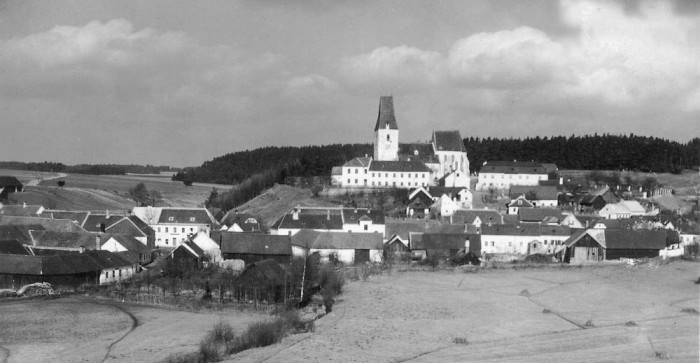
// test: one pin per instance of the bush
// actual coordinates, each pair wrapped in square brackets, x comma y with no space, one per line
[331,284]
[432,261]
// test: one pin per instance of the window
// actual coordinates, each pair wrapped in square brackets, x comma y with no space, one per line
[355,181]
[158,229]
[492,243]
[372,183]
[366,227]
[191,220]
[388,138]
[394,175]
[402,175]
[183,229]
[192,229]
[372,175]
[166,229]
[386,175]
[357,171]
[120,273]
[166,241]
[170,219]
[510,244]
[348,181]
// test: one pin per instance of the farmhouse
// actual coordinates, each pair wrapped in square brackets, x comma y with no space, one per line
[254,247]
[128,225]
[522,239]
[173,226]
[505,174]
[612,244]
[358,220]
[343,246]
[442,161]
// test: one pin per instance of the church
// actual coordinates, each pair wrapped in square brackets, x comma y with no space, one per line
[442,162]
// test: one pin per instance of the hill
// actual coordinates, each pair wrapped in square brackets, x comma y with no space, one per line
[278,200]
[72,199]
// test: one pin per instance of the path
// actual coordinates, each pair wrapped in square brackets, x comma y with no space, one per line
[35,182]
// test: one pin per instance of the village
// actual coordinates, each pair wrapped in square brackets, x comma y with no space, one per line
[512,213]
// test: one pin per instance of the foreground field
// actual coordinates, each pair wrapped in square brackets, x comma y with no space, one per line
[612,313]
[585,314]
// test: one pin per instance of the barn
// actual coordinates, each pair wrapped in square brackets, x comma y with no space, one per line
[443,245]
[254,247]
[612,244]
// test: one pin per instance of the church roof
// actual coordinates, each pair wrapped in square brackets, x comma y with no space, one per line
[360,162]
[401,166]
[386,114]
[448,141]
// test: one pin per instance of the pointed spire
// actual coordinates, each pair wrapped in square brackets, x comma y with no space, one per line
[386,114]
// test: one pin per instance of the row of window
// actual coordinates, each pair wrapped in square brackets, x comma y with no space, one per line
[510,243]
[386,183]
[520,176]
[386,175]
[167,240]
[175,229]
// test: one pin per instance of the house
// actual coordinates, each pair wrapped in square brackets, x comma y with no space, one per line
[613,244]
[188,255]
[396,249]
[504,174]
[522,239]
[540,215]
[596,199]
[419,202]
[442,161]
[623,209]
[173,226]
[130,246]
[519,202]
[461,195]
[108,223]
[358,220]
[63,269]
[23,210]
[444,245]
[9,184]
[540,196]
[477,217]
[254,247]
[240,222]
[345,247]
[78,217]
[208,245]
[444,206]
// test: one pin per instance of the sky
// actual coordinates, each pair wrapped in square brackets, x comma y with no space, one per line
[179,83]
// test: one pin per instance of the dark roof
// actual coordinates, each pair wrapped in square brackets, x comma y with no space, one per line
[538,214]
[338,240]
[354,215]
[194,248]
[268,269]
[440,241]
[437,192]
[635,239]
[247,222]
[540,192]
[94,221]
[525,229]
[311,218]
[185,216]
[358,162]
[418,152]
[255,244]
[128,242]
[513,167]
[64,239]
[140,224]
[9,181]
[132,226]
[403,227]
[60,264]
[12,247]
[48,223]
[78,217]
[469,215]
[18,232]
[398,166]
[448,141]
[386,114]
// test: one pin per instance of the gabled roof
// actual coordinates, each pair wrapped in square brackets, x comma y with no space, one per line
[255,244]
[247,222]
[520,202]
[12,247]
[450,191]
[358,162]
[448,141]
[418,152]
[385,116]
[9,181]
[18,232]
[94,222]
[186,216]
[64,239]
[20,210]
[615,208]
[49,224]
[354,215]
[635,239]
[338,240]
[513,167]
[398,166]
[77,217]
[633,206]
[311,218]
[535,192]
[128,242]
[468,216]
[61,264]
[440,241]
[402,228]
[337,170]
[539,214]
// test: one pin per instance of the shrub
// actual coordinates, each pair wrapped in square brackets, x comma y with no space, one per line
[460,340]
[221,333]
[331,284]
[432,261]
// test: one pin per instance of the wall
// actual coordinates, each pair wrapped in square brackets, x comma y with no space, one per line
[504,181]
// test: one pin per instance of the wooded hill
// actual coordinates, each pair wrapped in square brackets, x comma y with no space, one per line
[592,152]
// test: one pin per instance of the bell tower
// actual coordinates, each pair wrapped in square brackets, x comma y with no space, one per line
[386,131]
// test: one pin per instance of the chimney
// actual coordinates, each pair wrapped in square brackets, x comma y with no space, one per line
[24,205]
[81,249]
[295,213]
[98,242]
[328,215]
[561,181]
[107,214]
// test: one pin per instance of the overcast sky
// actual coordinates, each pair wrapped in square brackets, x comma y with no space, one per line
[179,83]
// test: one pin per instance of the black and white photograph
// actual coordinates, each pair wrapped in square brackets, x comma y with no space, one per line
[349,181]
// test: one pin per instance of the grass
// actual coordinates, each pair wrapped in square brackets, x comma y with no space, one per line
[221,341]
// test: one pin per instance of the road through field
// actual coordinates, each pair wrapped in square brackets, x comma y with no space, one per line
[611,313]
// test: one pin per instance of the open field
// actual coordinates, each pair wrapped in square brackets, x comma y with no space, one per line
[612,313]
[115,189]
[73,329]
[280,199]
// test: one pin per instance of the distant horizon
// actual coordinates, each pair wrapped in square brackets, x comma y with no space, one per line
[358,143]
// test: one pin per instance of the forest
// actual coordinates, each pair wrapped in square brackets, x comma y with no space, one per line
[93,169]
[590,152]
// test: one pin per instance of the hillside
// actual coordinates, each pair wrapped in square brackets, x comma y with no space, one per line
[72,199]
[278,200]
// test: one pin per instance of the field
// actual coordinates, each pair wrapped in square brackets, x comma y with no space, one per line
[280,199]
[99,192]
[611,313]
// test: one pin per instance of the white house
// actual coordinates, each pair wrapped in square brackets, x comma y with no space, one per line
[173,226]
[208,245]
[333,219]
[346,247]
[504,174]
[517,203]
[444,206]
[522,239]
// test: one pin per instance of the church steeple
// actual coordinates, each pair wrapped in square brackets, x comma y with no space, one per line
[386,114]
[386,131]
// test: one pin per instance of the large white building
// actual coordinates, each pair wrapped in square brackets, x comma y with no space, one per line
[443,161]
[174,226]
[504,174]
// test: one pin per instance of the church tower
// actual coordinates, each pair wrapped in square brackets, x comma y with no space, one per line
[386,132]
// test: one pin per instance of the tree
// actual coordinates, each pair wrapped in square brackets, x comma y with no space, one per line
[61,183]
[212,197]
[187,182]
[143,196]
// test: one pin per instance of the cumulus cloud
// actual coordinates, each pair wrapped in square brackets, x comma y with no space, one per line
[615,57]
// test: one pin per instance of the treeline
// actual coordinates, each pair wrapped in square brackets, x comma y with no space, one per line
[305,161]
[590,152]
[94,169]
